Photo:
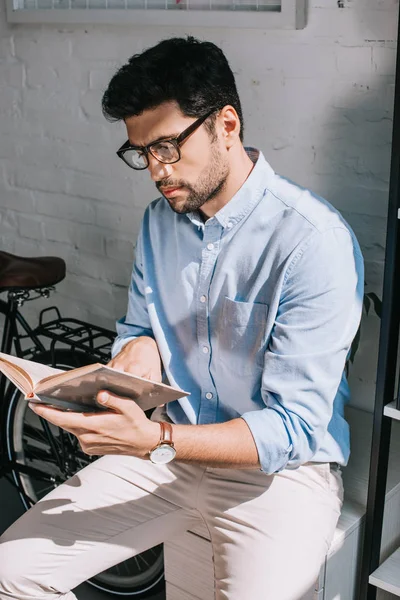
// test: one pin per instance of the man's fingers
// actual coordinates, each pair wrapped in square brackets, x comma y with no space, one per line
[70,421]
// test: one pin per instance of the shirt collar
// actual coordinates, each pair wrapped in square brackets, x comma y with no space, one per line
[246,198]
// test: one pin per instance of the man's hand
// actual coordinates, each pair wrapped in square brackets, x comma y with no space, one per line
[125,429]
[139,357]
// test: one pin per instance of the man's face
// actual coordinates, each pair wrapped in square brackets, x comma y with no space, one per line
[201,173]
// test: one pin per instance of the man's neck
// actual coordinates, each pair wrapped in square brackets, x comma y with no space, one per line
[240,168]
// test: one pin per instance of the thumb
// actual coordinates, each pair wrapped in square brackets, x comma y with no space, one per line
[111,401]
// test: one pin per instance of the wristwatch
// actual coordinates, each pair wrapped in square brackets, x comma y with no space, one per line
[165,451]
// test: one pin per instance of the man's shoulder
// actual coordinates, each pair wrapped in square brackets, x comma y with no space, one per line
[306,207]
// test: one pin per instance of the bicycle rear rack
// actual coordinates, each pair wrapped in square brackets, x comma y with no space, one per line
[93,340]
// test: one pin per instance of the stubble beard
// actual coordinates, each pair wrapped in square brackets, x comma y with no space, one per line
[210,183]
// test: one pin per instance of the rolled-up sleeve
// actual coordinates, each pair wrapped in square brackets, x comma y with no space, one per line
[318,315]
[136,322]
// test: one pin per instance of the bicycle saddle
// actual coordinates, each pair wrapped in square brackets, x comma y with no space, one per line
[17,272]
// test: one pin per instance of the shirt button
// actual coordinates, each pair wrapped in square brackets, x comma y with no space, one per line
[210,246]
[209,395]
[205,349]
[203,298]
[229,225]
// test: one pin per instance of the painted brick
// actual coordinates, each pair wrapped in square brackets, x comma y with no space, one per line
[40,100]
[100,78]
[41,75]
[30,226]
[120,300]
[384,60]
[64,207]
[119,249]
[8,148]
[358,27]
[360,94]
[17,200]
[89,291]
[84,159]
[88,48]
[354,61]
[6,46]
[57,230]
[89,239]
[118,219]
[10,102]
[374,275]
[54,248]
[11,74]
[7,244]
[86,265]
[363,200]
[34,49]
[43,179]
[72,129]
[26,247]
[37,152]
[91,105]
[8,221]
[89,186]
[291,60]
[118,272]
[371,233]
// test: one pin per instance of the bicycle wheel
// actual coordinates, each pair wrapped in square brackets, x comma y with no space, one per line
[54,455]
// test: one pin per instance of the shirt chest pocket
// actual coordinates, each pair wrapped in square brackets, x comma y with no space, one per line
[242,336]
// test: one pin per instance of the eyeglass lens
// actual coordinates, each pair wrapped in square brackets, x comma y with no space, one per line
[165,152]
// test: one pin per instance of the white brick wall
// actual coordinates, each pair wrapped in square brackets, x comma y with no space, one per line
[318,102]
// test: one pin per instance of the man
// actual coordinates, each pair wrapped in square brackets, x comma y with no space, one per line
[247,292]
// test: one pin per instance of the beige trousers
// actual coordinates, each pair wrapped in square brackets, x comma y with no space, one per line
[269,534]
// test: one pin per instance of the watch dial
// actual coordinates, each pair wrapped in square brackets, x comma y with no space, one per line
[163,454]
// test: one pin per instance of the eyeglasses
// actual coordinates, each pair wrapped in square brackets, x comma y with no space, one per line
[165,151]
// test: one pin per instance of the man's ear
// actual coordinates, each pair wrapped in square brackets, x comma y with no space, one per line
[230,125]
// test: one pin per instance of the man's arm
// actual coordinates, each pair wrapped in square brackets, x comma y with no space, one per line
[318,316]
[136,323]
[125,430]
[227,445]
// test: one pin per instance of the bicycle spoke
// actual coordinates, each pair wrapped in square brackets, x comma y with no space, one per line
[35,434]
[52,443]
[44,491]
[34,453]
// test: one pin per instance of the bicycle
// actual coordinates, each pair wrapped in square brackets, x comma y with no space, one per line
[36,456]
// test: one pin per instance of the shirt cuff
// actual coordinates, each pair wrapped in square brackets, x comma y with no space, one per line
[119,343]
[271,438]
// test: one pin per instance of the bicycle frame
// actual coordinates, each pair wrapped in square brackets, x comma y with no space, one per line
[12,337]
[77,336]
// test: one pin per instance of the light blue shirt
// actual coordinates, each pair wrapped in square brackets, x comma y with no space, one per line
[254,312]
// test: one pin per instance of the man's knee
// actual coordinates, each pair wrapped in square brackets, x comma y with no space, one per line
[13,584]
[16,580]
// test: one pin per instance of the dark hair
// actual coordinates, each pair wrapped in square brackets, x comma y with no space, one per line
[194,74]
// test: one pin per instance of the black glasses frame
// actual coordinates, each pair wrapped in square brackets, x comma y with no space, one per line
[176,141]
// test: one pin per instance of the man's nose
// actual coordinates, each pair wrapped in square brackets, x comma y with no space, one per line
[158,170]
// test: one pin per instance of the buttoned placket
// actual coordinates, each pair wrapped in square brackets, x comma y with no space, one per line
[211,247]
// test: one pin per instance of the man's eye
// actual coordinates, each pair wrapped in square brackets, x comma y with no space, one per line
[162,146]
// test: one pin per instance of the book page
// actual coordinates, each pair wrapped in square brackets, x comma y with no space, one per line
[62,376]
[24,374]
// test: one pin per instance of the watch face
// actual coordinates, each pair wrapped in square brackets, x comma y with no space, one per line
[163,454]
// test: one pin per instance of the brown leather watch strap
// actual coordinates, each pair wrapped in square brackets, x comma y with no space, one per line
[166,433]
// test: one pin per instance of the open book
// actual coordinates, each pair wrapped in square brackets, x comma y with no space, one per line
[77,389]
